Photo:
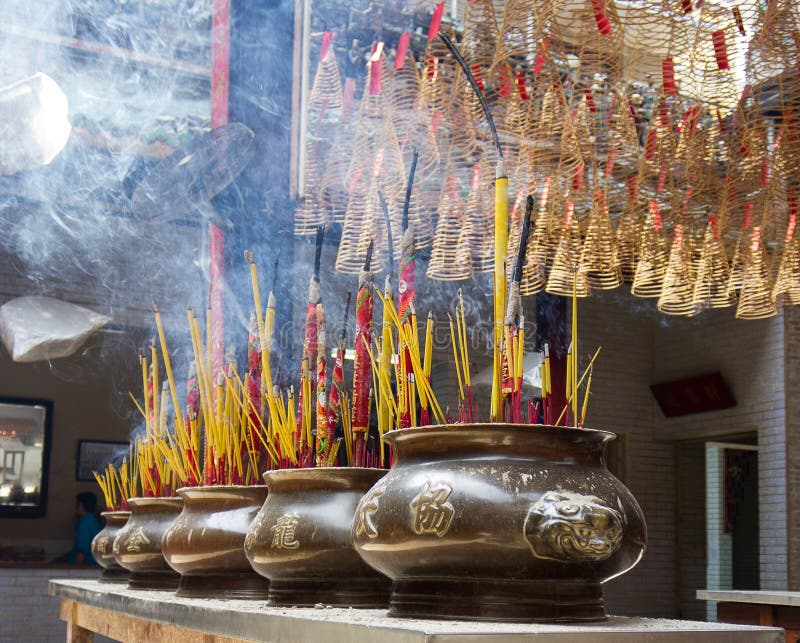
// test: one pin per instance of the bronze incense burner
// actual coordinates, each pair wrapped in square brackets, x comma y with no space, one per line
[301,539]
[206,542]
[137,546]
[103,547]
[499,522]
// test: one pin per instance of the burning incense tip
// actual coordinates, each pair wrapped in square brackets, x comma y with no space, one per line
[249,257]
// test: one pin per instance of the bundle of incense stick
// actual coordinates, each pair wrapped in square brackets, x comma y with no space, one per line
[118,484]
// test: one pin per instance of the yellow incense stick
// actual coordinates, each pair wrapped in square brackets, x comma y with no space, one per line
[585,372]
[500,248]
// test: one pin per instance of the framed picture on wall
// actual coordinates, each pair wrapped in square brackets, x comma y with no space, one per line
[95,454]
[25,433]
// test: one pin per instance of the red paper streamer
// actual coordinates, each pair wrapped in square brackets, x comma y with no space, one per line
[720,49]
[540,56]
[601,17]
[402,50]
[668,76]
[436,21]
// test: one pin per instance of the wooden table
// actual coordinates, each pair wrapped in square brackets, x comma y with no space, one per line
[128,615]
[757,607]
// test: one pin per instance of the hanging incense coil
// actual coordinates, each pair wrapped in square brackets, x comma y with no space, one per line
[787,281]
[599,258]
[740,253]
[523,31]
[479,212]
[541,248]
[324,114]
[479,41]
[648,279]
[677,292]
[451,255]
[713,271]
[566,274]
[360,224]
[755,297]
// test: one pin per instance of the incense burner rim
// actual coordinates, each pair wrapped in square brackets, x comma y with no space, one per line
[217,491]
[499,430]
[145,501]
[323,477]
[120,513]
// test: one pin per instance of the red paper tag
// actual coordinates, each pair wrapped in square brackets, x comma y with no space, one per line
[686,5]
[518,203]
[476,177]
[577,177]
[402,50]
[612,156]
[589,100]
[678,236]
[737,16]
[431,67]
[523,91]
[633,186]
[436,21]
[347,96]
[668,76]
[505,89]
[375,69]
[764,172]
[476,72]
[720,49]
[327,40]
[650,143]
[662,177]
[755,239]
[712,220]
[655,215]
[436,120]
[790,228]
[570,210]
[748,216]
[540,56]
[600,17]
[545,193]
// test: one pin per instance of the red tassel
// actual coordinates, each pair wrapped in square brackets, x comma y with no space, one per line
[436,21]
[668,76]
[402,50]
[601,17]
[720,49]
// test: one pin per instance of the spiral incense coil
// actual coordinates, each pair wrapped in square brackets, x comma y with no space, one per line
[740,254]
[648,278]
[480,37]
[451,258]
[713,271]
[566,275]
[787,281]
[523,32]
[479,212]
[540,250]
[360,224]
[599,253]
[677,292]
[334,184]
[755,297]
[628,233]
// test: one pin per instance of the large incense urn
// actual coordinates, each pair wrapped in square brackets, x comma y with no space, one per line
[103,547]
[206,543]
[499,522]
[137,546]
[301,539]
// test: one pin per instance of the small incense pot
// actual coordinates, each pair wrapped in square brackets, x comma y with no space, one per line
[301,539]
[103,547]
[137,546]
[206,543]
[499,522]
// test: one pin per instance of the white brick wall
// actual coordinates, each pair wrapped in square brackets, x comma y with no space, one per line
[27,613]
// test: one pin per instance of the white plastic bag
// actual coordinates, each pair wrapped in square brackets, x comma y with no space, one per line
[43,328]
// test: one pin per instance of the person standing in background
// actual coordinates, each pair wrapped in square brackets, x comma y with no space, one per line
[87,528]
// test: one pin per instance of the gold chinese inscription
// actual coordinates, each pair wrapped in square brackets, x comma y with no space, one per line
[102,545]
[369,507]
[430,511]
[137,540]
[283,536]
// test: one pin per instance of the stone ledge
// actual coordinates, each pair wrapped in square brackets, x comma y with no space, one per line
[255,621]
